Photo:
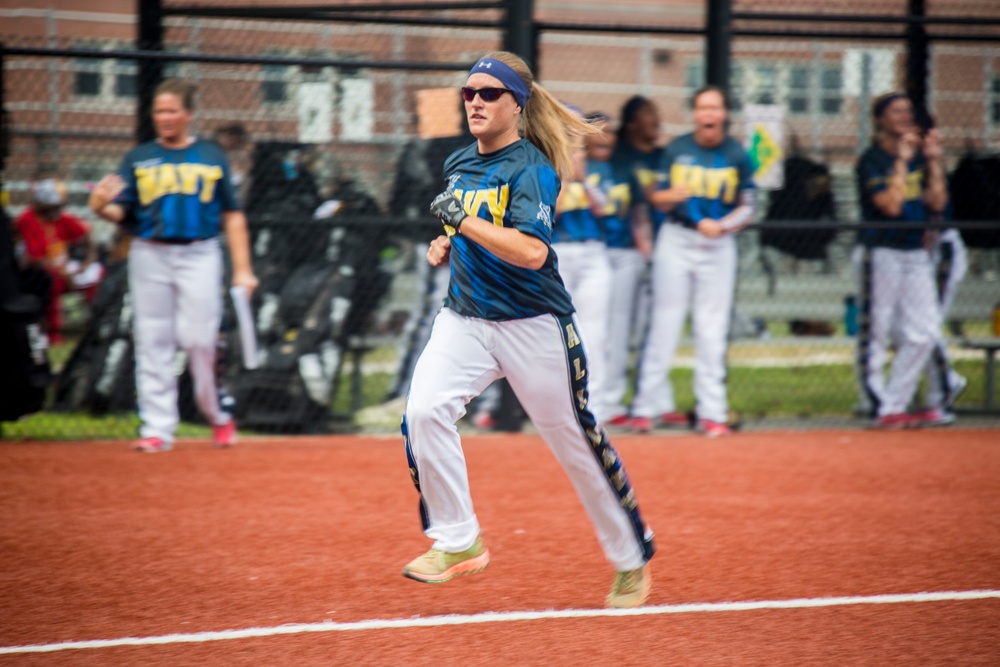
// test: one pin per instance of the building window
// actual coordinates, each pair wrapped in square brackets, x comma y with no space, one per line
[111,78]
[798,90]
[831,89]
[275,87]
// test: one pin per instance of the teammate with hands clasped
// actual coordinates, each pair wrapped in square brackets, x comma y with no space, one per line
[710,194]
[507,314]
[899,180]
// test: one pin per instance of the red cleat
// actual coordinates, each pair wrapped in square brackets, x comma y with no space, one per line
[675,420]
[151,445]
[714,429]
[224,436]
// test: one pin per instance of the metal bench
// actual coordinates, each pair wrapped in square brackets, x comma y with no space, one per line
[989,346]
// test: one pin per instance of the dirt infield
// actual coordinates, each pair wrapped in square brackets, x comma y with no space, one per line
[288,552]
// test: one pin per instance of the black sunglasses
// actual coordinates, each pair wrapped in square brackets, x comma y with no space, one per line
[485,94]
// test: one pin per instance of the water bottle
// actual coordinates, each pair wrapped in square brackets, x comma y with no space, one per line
[851,315]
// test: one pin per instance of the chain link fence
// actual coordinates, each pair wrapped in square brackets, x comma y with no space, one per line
[335,127]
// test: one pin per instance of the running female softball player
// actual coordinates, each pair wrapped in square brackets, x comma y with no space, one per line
[180,192]
[508,315]
[897,181]
[709,191]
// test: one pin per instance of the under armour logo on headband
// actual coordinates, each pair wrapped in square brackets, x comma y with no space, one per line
[485,64]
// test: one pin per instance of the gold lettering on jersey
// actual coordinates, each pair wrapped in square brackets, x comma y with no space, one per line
[647,177]
[572,340]
[912,189]
[708,182]
[628,500]
[580,372]
[574,197]
[619,199]
[496,200]
[185,178]
[581,398]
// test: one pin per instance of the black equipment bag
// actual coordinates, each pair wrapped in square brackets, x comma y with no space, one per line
[301,327]
[807,195]
[975,196]
[23,346]
[99,376]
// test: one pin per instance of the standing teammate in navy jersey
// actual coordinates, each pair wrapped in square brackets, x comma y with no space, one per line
[508,315]
[622,218]
[177,194]
[898,181]
[709,192]
[578,242]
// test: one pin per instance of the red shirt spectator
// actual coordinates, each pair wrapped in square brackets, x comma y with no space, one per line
[48,233]
[48,241]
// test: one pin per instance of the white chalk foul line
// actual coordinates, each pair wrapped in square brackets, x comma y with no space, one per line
[501,617]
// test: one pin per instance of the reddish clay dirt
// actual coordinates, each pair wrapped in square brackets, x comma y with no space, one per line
[100,543]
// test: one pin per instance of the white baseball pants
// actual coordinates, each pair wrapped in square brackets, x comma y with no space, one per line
[688,268]
[951,262]
[898,299]
[627,266]
[176,295]
[463,356]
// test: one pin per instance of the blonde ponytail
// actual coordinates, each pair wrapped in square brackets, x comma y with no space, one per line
[545,122]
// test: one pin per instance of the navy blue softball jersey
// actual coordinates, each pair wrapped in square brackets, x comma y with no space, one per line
[621,185]
[177,193]
[646,170]
[514,187]
[715,175]
[873,171]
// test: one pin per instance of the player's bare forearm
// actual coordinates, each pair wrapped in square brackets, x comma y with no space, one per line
[890,201]
[936,196]
[238,239]
[101,199]
[666,200]
[439,251]
[507,243]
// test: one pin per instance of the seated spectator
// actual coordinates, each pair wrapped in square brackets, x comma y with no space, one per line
[48,233]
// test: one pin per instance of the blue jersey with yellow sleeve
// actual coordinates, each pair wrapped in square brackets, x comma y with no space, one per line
[873,171]
[514,187]
[645,167]
[622,188]
[715,177]
[177,193]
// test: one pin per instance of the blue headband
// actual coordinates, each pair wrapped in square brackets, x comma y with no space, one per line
[885,102]
[508,77]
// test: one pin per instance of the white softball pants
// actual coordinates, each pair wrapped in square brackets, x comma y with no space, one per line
[898,299]
[176,296]
[627,266]
[465,355]
[586,273]
[951,263]
[688,268]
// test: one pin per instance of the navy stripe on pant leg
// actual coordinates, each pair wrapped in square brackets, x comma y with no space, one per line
[600,445]
[865,329]
[424,519]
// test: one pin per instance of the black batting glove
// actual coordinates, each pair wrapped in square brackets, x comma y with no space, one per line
[447,208]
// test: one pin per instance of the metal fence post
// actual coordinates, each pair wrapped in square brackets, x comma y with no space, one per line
[917,54]
[520,35]
[150,72]
[718,23]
